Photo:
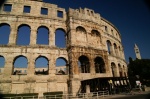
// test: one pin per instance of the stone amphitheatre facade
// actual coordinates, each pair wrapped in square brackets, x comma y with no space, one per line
[93,50]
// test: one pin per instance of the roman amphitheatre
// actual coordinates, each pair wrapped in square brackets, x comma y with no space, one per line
[93,52]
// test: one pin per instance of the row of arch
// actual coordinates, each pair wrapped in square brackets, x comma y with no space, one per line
[43,35]
[113,49]
[24,33]
[122,70]
[21,61]
[83,65]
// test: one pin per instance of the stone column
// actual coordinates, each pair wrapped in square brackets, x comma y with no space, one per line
[31,65]
[75,86]
[8,68]
[52,67]
[92,67]
[33,37]
[75,67]
[52,37]
[13,35]
[117,71]
[87,88]
[113,50]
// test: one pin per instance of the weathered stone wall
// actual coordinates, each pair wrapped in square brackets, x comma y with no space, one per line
[86,35]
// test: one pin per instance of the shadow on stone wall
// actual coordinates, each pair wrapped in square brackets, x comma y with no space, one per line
[1,2]
[1,96]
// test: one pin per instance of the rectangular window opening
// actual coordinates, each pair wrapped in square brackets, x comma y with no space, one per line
[44,11]
[60,14]
[106,28]
[7,7]
[26,9]
[112,32]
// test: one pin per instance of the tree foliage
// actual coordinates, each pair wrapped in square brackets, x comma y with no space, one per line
[140,67]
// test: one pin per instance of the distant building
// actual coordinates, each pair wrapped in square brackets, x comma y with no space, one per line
[137,52]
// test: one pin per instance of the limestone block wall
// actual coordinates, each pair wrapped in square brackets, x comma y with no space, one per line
[93,47]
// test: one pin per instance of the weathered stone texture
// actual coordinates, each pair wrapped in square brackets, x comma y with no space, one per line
[86,34]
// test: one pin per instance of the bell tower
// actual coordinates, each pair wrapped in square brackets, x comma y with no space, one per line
[137,52]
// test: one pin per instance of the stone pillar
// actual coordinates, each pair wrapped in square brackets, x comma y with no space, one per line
[75,67]
[52,37]
[33,37]
[113,51]
[87,88]
[31,65]
[52,67]
[75,86]
[92,67]
[117,71]
[8,68]
[13,35]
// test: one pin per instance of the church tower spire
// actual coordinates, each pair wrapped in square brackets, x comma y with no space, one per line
[137,52]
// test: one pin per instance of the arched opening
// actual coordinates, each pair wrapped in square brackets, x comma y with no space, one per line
[95,33]
[2,64]
[80,29]
[42,35]
[99,65]
[23,36]
[114,69]
[41,65]
[4,33]
[61,64]
[95,37]
[84,64]
[60,38]
[115,49]
[119,51]
[79,67]
[20,64]
[109,47]
[120,70]
[81,33]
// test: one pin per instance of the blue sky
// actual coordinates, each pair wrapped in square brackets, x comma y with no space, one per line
[131,17]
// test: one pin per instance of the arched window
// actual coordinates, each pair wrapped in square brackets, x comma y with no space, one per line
[61,66]
[120,70]
[95,33]
[114,69]
[43,35]
[20,63]
[60,38]
[4,33]
[23,36]
[99,65]
[109,47]
[84,64]
[81,33]
[95,37]
[2,63]
[80,29]
[119,51]
[115,49]
[42,65]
